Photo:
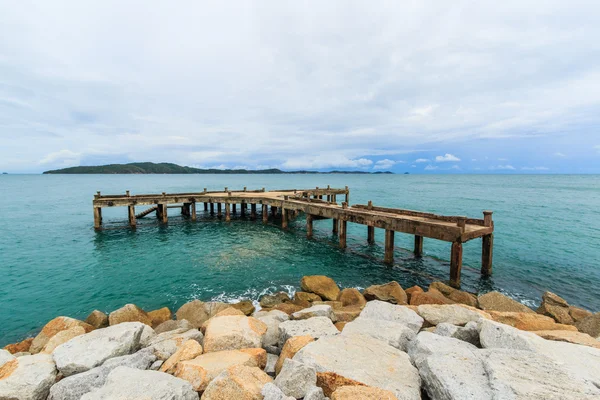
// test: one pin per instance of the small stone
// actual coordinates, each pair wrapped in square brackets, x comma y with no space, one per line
[237,382]
[156,365]
[529,321]
[495,301]
[352,297]
[316,327]
[340,325]
[19,347]
[187,351]
[578,313]
[314,311]
[244,306]
[306,297]
[271,362]
[129,313]
[590,325]
[159,316]
[233,332]
[329,382]
[271,300]
[414,289]
[271,392]
[288,308]
[173,325]
[62,337]
[27,377]
[295,378]
[468,333]
[362,393]
[389,312]
[97,319]
[432,296]
[315,393]
[322,285]
[391,292]
[52,328]
[393,333]
[290,348]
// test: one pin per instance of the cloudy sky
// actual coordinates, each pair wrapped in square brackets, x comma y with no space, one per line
[418,86]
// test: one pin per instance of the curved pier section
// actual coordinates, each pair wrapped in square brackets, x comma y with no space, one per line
[320,203]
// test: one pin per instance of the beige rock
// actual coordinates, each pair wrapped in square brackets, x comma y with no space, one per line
[226,312]
[415,289]
[97,319]
[455,314]
[159,316]
[197,312]
[20,347]
[352,297]
[259,355]
[465,298]
[330,382]
[290,348]
[336,305]
[362,393]
[172,325]
[62,337]
[432,296]
[496,301]
[570,337]
[244,306]
[529,321]
[52,328]
[391,292]
[347,314]
[303,297]
[233,332]
[237,382]
[555,307]
[271,300]
[187,351]
[590,325]
[288,308]
[442,288]
[578,313]
[129,313]
[322,285]
[340,325]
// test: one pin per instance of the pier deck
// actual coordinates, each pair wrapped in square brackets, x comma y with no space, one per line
[320,203]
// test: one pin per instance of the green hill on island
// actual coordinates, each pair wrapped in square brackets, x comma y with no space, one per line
[170,168]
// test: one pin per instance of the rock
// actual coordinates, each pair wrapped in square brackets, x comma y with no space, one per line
[156,365]
[244,306]
[203,369]
[258,354]
[271,362]
[335,305]
[357,356]
[455,295]
[389,312]
[27,377]
[322,285]
[19,347]
[197,312]
[97,319]
[147,335]
[62,337]
[290,348]
[277,314]
[129,313]
[529,321]
[288,308]
[306,297]
[314,311]
[578,313]
[271,392]
[590,325]
[75,386]
[497,335]
[569,337]
[427,343]
[432,296]
[271,337]
[414,289]
[130,383]
[442,288]
[187,351]
[226,312]
[362,393]
[391,292]
[237,382]
[233,332]
[352,297]
[5,357]
[315,393]
[346,314]
[173,325]
[52,328]
[469,333]
[454,314]
[21,354]
[340,325]
[316,327]
[495,301]
[295,378]
[555,307]
[87,351]
[166,344]
[271,300]
[329,382]
[393,333]
[159,316]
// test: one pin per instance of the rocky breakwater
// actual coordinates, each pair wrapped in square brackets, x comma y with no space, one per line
[324,343]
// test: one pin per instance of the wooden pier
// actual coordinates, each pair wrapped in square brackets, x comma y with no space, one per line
[319,203]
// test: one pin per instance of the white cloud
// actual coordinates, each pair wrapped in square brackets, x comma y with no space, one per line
[559,154]
[535,169]
[503,159]
[503,167]
[431,168]
[447,158]
[326,161]
[63,158]
[456,167]
[385,164]
[422,160]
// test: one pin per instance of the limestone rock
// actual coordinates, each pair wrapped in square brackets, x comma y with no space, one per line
[290,348]
[393,333]
[288,308]
[196,311]
[233,332]
[362,393]
[97,319]
[352,297]
[62,337]
[5,357]
[244,306]
[555,307]
[147,335]
[172,325]
[52,328]
[427,343]
[258,354]
[159,316]
[340,325]
[271,392]
[315,393]
[590,325]
[87,351]
[495,301]
[271,362]
[569,337]
[334,304]
[442,288]
[226,312]
[391,292]
[529,321]
[296,378]
[271,337]
[306,297]
[432,296]
[156,365]
[316,327]
[204,368]
[329,382]
[578,313]
[279,315]
[131,383]
[19,347]
[321,285]
[357,356]
[27,377]
[414,289]
[129,313]
[237,382]
[454,314]
[189,350]
[271,300]
[166,344]
[75,386]
[346,314]
[468,333]
[389,312]
[455,295]
[314,311]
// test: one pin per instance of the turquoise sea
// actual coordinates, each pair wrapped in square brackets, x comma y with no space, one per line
[52,262]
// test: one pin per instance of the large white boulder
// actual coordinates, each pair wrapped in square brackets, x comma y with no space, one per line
[27,377]
[320,310]
[427,343]
[316,327]
[233,332]
[166,344]
[393,333]
[390,312]
[295,378]
[455,314]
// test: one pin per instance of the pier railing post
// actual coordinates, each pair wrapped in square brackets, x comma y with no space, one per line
[389,246]
[265,214]
[132,221]
[456,264]
[418,246]
[309,226]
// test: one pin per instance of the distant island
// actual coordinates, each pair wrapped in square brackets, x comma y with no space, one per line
[169,168]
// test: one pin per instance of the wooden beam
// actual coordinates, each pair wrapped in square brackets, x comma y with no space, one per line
[97,217]
[309,226]
[227,212]
[456,264]
[418,246]
[132,221]
[253,210]
[389,247]
[342,233]
[265,213]
[193,211]
[487,250]
[370,234]
[284,219]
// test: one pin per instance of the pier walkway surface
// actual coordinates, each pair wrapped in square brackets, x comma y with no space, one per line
[319,203]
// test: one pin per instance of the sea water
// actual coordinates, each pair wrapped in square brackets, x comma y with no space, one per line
[52,262]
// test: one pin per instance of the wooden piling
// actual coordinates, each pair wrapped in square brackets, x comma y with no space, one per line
[284,218]
[212,208]
[205,206]
[487,250]
[234,208]
[370,234]
[456,264]
[243,209]
[265,213]
[253,210]
[97,217]
[227,212]
[334,229]
[309,226]
[193,211]
[418,246]
[389,246]
[163,213]
[132,221]
[343,225]
[219,210]
[273,211]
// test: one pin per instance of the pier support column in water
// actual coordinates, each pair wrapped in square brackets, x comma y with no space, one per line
[243,209]
[227,212]
[265,213]
[219,210]
[97,217]
[456,264]
[309,226]
[284,219]
[132,221]
[389,247]
[335,227]
[234,208]
[205,206]
[370,234]
[253,210]
[418,246]
[161,213]
[212,208]
[273,211]
[193,211]
[343,224]
[487,250]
